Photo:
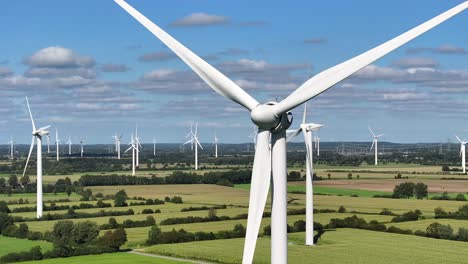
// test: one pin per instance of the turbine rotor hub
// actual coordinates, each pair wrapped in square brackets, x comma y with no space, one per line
[264,117]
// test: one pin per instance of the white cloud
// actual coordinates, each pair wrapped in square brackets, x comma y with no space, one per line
[200,19]
[58,57]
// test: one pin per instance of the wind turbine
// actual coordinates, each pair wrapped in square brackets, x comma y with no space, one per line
[37,134]
[375,142]
[69,145]
[317,143]
[154,146]
[48,143]
[194,141]
[138,146]
[134,148]
[117,144]
[216,145]
[272,120]
[12,147]
[57,144]
[81,146]
[190,135]
[307,130]
[462,152]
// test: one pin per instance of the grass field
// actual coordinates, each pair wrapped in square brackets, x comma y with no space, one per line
[9,244]
[423,224]
[342,246]
[114,258]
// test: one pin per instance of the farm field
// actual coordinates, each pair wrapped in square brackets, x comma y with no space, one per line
[10,244]
[114,258]
[347,246]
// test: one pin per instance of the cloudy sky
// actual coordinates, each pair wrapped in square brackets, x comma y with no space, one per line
[90,70]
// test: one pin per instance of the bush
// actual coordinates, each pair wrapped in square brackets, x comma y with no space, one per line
[408,216]
[147,211]
[386,211]
[397,230]
[342,209]
[437,230]
[460,197]
[114,239]
[154,236]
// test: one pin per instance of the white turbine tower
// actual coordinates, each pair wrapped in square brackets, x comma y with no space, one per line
[117,144]
[69,145]
[194,141]
[12,147]
[462,152]
[375,142]
[134,148]
[138,146]
[154,147]
[307,130]
[48,143]
[57,144]
[216,140]
[317,143]
[37,134]
[81,146]
[272,120]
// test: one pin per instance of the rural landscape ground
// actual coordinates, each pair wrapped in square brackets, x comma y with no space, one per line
[363,193]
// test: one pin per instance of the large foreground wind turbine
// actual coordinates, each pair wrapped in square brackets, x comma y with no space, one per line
[272,120]
[37,134]
[307,130]
[194,142]
[134,148]
[57,144]
[375,142]
[462,152]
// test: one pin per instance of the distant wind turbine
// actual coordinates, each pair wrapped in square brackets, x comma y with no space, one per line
[117,144]
[69,145]
[462,152]
[216,145]
[307,129]
[48,144]
[154,147]
[375,142]
[57,144]
[81,146]
[37,134]
[12,147]
[138,146]
[134,148]
[194,141]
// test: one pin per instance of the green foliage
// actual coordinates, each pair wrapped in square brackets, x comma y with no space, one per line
[114,239]
[4,207]
[404,190]
[85,232]
[420,190]
[408,216]
[120,199]
[437,230]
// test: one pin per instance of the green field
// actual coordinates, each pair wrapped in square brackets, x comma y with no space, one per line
[346,246]
[9,244]
[114,258]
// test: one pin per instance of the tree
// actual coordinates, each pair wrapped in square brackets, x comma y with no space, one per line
[420,190]
[2,182]
[4,207]
[62,237]
[112,222]
[36,253]
[404,190]
[24,180]
[437,230]
[150,220]
[115,239]
[85,232]
[154,236]
[68,190]
[5,220]
[13,181]
[212,214]
[22,231]
[120,199]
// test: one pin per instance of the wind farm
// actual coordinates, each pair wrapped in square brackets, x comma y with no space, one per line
[243,185]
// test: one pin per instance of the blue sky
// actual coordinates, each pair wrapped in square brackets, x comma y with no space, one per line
[91,70]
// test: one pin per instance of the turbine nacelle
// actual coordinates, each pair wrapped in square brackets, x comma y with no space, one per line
[264,117]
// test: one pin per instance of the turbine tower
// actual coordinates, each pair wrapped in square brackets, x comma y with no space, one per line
[375,142]
[138,146]
[317,143]
[462,152]
[134,148]
[216,145]
[154,147]
[12,147]
[37,134]
[273,119]
[307,130]
[48,144]
[194,141]
[81,146]
[117,144]
[57,144]
[69,145]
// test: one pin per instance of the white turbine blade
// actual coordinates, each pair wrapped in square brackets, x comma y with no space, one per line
[458,139]
[190,141]
[29,155]
[128,149]
[260,185]
[30,114]
[291,134]
[215,79]
[372,132]
[198,142]
[328,78]
[379,135]
[373,142]
[43,128]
